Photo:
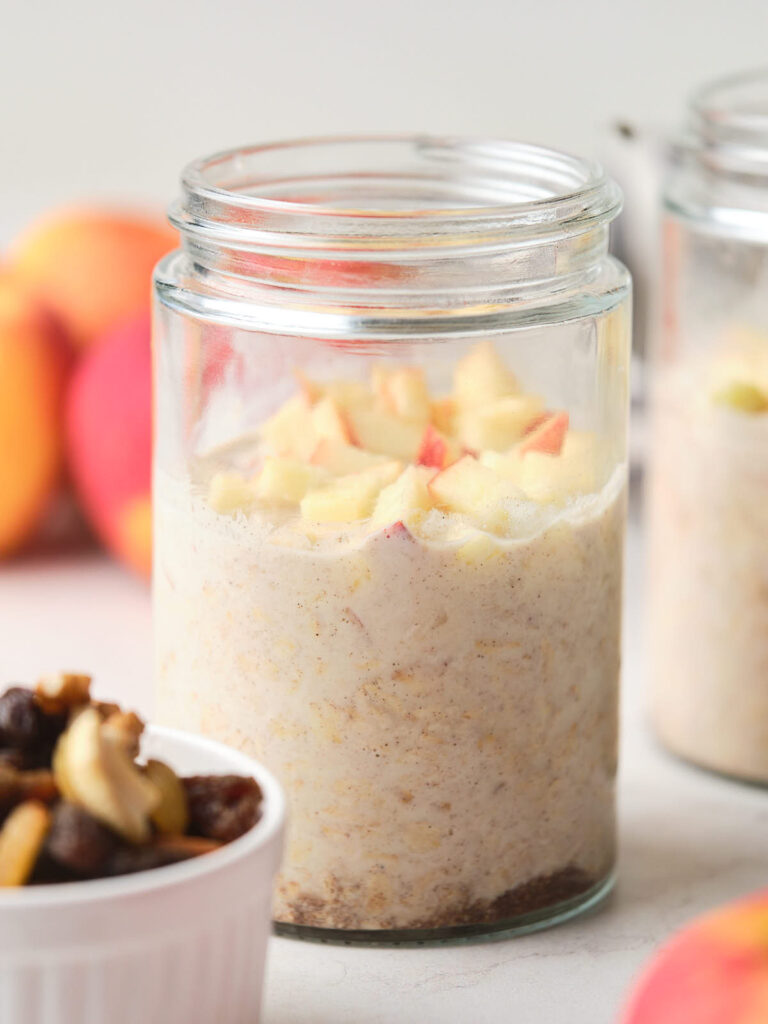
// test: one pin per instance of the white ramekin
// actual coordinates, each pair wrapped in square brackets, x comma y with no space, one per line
[184,944]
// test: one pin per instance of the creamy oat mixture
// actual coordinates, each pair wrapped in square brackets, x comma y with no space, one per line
[433,678]
[709,585]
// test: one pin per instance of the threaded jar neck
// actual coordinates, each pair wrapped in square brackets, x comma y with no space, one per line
[394,225]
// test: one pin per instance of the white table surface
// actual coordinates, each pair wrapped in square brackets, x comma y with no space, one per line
[688,840]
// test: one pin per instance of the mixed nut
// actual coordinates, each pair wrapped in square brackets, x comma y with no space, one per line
[77,803]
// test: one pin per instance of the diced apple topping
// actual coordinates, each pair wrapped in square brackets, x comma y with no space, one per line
[476,491]
[547,438]
[482,376]
[443,412]
[386,434]
[742,396]
[290,432]
[340,458]
[499,424]
[230,492]
[329,423]
[337,449]
[347,499]
[402,392]
[408,494]
[286,481]
[436,449]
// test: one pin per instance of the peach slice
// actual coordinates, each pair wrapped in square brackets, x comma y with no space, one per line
[286,481]
[385,434]
[408,494]
[499,424]
[290,432]
[547,438]
[482,376]
[329,423]
[473,489]
[340,458]
[350,498]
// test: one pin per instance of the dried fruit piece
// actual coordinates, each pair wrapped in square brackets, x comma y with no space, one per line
[98,773]
[21,719]
[172,813]
[78,842]
[21,840]
[62,691]
[183,847]
[222,807]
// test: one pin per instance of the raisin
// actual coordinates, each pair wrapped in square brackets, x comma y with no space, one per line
[78,842]
[21,720]
[26,729]
[222,807]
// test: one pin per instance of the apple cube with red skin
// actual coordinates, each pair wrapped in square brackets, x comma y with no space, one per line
[547,438]
[290,431]
[436,450]
[385,433]
[714,971]
[499,424]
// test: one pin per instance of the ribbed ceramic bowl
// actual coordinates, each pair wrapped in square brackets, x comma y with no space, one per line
[184,944]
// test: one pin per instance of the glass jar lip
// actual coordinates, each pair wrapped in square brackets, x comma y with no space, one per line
[513,191]
[734,108]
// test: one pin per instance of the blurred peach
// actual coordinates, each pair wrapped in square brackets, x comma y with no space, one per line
[714,971]
[109,440]
[93,268]
[33,361]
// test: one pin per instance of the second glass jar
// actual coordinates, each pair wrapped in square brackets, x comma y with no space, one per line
[390,470]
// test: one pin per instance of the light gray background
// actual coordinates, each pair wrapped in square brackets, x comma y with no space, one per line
[108,100]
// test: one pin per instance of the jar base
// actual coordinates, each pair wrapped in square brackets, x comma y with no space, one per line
[523,924]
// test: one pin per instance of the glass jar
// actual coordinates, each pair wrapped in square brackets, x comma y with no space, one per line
[391,396]
[709,456]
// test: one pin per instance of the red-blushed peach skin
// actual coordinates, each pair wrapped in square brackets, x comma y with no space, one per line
[33,366]
[715,971]
[109,440]
[93,268]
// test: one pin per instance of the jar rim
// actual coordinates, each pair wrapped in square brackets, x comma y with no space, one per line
[734,108]
[472,191]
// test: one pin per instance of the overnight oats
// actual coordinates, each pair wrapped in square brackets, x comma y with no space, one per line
[709,456]
[709,504]
[389,547]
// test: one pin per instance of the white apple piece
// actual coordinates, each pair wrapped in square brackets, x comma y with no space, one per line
[230,492]
[498,424]
[408,494]
[481,376]
[328,422]
[476,491]
[340,458]
[351,498]
[386,433]
[286,481]
[290,432]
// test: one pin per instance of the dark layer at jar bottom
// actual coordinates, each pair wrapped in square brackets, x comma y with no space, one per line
[537,894]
